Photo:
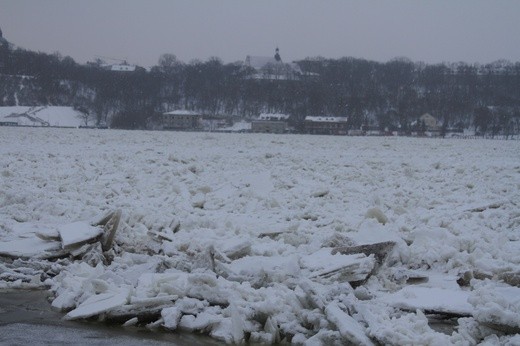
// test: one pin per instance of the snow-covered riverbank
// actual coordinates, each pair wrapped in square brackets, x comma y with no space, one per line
[258,237]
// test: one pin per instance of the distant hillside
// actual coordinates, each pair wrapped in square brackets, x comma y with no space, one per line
[390,95]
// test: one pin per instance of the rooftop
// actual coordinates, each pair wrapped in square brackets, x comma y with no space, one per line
[181,112]
[273,116]
[326,119]
[123,67]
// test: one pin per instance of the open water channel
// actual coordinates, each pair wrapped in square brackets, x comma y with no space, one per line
[26,318]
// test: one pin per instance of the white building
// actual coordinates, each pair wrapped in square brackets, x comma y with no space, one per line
[273,67]
[270,123]
[123,68]
[182,120]
[325,125]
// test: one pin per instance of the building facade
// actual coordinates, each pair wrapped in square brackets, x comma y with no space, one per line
[270,123]
[182,120]
[323,125]
[431,122]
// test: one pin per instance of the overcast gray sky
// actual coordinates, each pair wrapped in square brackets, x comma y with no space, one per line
[141,30]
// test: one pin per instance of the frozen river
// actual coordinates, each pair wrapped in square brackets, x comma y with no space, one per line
[260,238]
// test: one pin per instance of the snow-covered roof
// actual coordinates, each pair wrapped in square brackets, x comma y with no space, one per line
[427,115]
[42,116]
[181,112]
[326,119]
[295,67]
[123,67]
[273,116]
[258,62]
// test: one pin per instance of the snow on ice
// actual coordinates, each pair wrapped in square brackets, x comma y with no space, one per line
[76,233]
[262,238]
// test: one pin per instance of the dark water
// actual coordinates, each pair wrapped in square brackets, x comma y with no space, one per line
[443,325]
[26,318]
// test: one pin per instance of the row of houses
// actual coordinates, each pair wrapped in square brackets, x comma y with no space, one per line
[185,120]
[273,68]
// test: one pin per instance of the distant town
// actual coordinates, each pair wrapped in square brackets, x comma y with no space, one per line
[261,94]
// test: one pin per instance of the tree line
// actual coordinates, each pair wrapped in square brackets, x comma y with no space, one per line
[390,95]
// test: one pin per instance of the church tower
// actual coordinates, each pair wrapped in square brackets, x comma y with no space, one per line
[277,55]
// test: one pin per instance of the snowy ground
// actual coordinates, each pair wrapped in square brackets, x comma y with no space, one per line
[234,234]
[43,116]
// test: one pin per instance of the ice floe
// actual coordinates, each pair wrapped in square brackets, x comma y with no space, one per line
[266,239]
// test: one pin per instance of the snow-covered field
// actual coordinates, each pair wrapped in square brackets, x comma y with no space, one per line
[43,116]
[256,237]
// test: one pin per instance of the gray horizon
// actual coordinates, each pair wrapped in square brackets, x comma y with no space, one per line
[140,32]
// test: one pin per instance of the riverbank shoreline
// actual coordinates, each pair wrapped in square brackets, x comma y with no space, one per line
[26,317]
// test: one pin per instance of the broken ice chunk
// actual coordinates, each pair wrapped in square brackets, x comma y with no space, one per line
[347,326]
[431,300]
[98,304]
[327,266]
[77,233]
